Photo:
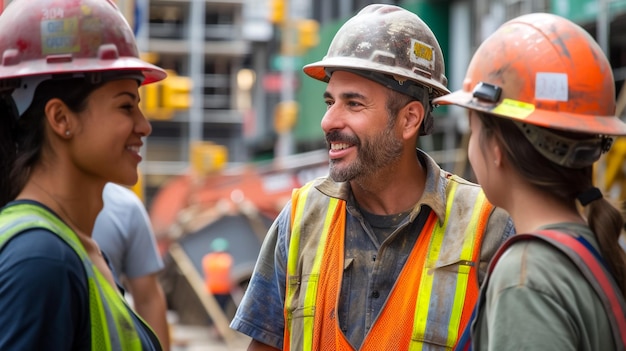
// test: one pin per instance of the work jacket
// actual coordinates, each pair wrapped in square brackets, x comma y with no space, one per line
[112,326]
[436,290]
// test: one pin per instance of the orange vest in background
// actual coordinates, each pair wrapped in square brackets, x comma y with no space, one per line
[217,267]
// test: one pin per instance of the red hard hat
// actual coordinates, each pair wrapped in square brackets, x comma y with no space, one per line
[544,70]
[43,37]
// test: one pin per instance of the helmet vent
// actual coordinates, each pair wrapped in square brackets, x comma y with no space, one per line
[384,58]
[10,57]
[59,58]
[422,72]
[108,52]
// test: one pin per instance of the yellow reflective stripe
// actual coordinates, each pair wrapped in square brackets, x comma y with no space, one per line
[461,286]
[311,290]
[294,243]
[20,217]
[426,283]
[98,317]
[294,248]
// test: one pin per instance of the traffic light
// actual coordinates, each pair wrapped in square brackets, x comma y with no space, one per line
[159,100]
[175,91]
[278,11]
[308,34]
[138,188]
[614,174]
[150,103]
[285,116]
[207,157]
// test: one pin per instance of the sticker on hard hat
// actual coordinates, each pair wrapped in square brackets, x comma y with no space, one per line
[422,54]
[514,109]
[60,36]
[551,86]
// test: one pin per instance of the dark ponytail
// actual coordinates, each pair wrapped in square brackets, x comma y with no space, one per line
[606,221]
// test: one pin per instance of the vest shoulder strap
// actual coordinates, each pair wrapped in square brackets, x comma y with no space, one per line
[19,218]
[593,269]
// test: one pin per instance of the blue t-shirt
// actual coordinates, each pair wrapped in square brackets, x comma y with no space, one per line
[44,300]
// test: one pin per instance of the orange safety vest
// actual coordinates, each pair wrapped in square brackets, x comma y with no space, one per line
[217,267]
[439,280]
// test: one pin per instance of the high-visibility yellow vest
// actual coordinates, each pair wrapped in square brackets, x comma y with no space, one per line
[428,310]
[112,326]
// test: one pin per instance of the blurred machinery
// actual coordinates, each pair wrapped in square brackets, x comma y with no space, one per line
[611,171]
[236,203]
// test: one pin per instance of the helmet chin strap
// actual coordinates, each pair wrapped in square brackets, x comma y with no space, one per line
[23,94]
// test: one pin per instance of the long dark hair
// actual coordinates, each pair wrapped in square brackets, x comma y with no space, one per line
[604,218]
[21,140]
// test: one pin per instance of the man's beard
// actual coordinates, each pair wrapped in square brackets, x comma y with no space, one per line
[372,156]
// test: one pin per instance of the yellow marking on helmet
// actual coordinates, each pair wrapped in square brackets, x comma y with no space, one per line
[423,51]
[514,108]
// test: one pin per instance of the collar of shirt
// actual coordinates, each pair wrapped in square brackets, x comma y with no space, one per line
[434,195]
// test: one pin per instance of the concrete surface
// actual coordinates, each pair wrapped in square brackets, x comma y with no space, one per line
[203,338]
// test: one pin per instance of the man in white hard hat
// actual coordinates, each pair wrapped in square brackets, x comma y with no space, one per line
[387,253]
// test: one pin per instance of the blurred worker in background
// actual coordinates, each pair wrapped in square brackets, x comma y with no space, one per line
[541,99]
[217,266]
[69,101]
[125,235]
[388,252]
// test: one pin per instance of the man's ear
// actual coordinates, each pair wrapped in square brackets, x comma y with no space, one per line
[412,117]
[59,120]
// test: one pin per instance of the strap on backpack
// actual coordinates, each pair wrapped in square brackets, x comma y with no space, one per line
[591,265]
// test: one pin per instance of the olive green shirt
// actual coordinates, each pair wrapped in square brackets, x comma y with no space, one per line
[537,299]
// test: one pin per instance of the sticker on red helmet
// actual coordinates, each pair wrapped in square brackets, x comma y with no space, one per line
[60,36]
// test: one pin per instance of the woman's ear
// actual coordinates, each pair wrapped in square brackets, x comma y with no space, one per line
[497,153]
[59,120]
[412,118]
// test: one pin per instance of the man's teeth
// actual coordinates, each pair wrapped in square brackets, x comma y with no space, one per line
[339,146]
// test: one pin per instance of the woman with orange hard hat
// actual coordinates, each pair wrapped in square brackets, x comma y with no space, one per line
[541,101]
[70,123]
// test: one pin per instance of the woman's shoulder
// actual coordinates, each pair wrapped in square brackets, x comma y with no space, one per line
[537,265]
[40,246]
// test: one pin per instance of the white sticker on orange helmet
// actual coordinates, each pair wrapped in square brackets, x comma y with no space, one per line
[551,86]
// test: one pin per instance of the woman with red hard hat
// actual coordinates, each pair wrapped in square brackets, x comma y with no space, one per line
[541,100]
[70,123]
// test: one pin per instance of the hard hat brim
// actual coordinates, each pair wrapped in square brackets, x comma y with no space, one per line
[151,72]
[521,112]
[317,70]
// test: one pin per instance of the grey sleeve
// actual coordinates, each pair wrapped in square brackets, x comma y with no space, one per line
[142,256]
[499,228]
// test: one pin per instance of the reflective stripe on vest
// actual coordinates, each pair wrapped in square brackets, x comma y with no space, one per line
[436,263]
[112,326]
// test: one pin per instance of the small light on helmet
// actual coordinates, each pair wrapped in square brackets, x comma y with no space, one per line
[487,92]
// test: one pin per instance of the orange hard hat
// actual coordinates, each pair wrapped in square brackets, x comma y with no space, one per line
[544,70]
